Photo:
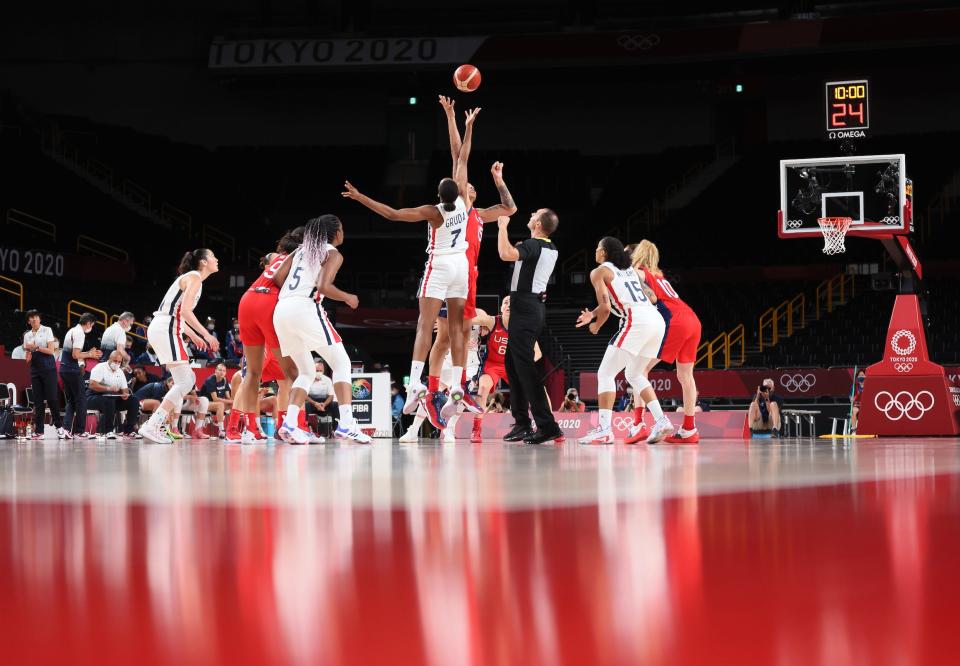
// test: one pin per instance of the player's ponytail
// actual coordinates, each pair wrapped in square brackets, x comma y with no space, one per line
[191,260]
[647,256]
[317,235]
[448,193]
[616,255]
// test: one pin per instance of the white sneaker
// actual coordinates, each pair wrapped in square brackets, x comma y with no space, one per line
[415,393]
[89,435]
[448,437]
[353,434]
[111,435]
[153,434]
[452,404]
[63,434]
[662,428]
[293,435]
[598,435]
[411,436]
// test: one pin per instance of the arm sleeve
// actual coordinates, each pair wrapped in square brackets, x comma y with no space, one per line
[529,248]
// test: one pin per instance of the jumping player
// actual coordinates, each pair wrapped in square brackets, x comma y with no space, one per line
[618,287]
[302,326]
[166,329]
[680,341]
[475,221]
[446,274]
[261,348]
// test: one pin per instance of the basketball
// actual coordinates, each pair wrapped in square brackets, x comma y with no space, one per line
[466,78]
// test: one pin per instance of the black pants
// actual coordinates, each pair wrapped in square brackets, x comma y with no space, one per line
[108,407]
[44,385]
[333,411]
[75,397]
[527,314]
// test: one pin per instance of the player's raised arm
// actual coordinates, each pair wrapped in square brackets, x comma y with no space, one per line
[455,141]
[483,320]
[418,214]
[506,206]
[460,172]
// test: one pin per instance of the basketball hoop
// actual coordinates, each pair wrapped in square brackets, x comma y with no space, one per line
[834,231]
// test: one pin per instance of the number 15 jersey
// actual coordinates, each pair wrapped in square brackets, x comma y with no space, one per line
[625,290]
[451,236]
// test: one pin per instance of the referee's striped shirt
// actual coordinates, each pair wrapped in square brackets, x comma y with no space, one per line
[531,272]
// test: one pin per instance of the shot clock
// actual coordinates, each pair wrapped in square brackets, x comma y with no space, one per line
[848,109]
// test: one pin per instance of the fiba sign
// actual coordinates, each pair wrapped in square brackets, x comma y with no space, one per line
[361,390]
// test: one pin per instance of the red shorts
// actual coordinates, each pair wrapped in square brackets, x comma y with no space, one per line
[470,307]
[256,320]
[496,372]
[681,339]
[271,369]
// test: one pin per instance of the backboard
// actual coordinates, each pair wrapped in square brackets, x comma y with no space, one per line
[870,189]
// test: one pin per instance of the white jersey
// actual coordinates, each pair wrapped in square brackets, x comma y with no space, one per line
[302,279]
[626,290]
[113,338]
[74,339]
[173,300]
[451,236]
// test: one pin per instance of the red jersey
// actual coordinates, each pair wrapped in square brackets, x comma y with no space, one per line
[666,295]
[497,343]
[474,236]
[265,283]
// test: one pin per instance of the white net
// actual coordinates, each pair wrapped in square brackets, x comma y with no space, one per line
[834,232]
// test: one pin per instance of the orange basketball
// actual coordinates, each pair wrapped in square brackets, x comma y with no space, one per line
[466,78]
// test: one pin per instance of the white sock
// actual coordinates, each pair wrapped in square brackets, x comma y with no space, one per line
[159,417]
[416,372]
[452,423]
[654,407]
[290,420]
[346,416]
[605,416]
[456,373]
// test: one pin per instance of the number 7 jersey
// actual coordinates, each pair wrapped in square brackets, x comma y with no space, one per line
[451,236]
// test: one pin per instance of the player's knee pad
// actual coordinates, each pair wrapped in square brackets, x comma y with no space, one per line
[203,404]
[606,383]
[639,383]
[339,364]
[303,381]
[183,382]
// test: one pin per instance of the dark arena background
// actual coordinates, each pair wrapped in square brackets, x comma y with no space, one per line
[794,163]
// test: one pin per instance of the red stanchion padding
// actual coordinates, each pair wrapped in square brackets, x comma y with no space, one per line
[906,394]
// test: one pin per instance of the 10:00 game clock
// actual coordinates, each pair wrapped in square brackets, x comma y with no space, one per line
[848,108]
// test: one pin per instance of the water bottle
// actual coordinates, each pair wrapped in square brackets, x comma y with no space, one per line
[268,426]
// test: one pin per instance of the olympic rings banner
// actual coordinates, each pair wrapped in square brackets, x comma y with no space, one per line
[789,383]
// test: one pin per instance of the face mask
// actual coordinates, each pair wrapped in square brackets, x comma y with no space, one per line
[210,327]
[114,366]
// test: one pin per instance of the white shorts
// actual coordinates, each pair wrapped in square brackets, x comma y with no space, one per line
[445,276]
[641,332]
[302,325]
[165,335]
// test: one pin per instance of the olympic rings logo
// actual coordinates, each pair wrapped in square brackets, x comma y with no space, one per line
[794,224]
[638,42]
[623,422]
[891,219]
[903,367]
[904,404]
[897,337]
[798,382]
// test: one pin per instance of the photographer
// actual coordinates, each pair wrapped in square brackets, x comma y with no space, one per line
[764,412]
[571,402]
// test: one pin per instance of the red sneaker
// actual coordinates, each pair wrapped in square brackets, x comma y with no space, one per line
[433,411]
[470,404]
[684,437]
[637,433]
[253,427]
[199,433]
[476,436]
[233,435]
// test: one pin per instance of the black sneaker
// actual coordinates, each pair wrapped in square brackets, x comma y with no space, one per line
[775,433]
[517,433]
[546,435]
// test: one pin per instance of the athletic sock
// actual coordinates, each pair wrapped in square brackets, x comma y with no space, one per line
[452,423]
[688,423]
[159,417]
[433,383]
[463,377]
[605,416]
[638,413]
[290,420]
[457,371]
[233,422]
[252,422]
[346,416]
[655,410]
[302,420]
[416,372]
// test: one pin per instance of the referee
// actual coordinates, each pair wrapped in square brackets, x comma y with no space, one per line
[534,260]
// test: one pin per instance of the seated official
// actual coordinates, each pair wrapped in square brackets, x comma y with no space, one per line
[108,393]
[321,399]
[764,411]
